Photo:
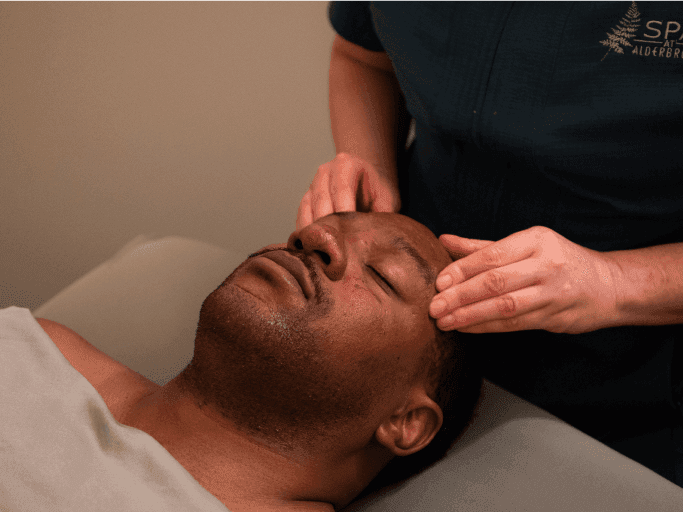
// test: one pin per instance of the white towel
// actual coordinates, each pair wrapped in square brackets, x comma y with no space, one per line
[60,447]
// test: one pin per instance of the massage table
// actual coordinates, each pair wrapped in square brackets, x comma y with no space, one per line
[142,305]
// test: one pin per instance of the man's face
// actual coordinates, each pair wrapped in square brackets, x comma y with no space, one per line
[321,329]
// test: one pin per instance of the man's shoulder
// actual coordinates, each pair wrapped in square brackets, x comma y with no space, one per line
[101,370]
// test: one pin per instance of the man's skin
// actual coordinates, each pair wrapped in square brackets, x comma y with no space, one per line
[297,396]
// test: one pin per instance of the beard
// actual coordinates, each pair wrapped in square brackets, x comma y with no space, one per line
[271,370]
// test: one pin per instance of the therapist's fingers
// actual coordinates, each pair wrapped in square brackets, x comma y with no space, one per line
[488,285]
[384,193]
[345,181]
[321,202]
[315,202]
[520,310]
[304,215]
[459,247]
[333,189]
[509,250]
[346,184]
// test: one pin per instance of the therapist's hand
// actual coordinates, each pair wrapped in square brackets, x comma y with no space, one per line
[533,279]
[346,184]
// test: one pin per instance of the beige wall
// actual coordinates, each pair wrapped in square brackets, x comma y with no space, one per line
[205,120]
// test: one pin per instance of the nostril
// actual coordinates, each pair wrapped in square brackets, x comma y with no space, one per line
[298,244]
[326,259]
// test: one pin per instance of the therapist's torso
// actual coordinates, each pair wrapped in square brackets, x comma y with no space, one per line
[567,115]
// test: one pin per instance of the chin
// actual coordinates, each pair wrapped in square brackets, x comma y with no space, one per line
[270,372]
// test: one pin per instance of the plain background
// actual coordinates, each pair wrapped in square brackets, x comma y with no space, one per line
[204,120]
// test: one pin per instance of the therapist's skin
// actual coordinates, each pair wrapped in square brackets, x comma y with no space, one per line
[297,396]
[533,279]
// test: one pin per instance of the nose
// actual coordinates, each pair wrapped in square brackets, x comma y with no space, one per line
[324,242]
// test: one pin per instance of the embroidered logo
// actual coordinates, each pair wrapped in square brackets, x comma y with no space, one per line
[626,29]
[655,41]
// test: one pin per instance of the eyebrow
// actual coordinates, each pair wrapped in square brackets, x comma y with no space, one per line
[425,268]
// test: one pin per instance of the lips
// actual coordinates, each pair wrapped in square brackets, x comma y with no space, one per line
[294,266]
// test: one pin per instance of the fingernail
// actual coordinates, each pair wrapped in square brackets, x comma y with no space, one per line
[438,306]
[444,281]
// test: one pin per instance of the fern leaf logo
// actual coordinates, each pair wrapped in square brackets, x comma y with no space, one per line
[625,30]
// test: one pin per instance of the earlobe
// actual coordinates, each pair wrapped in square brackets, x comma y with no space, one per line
[413,427]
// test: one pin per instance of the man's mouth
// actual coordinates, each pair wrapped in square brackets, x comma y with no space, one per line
[296,268]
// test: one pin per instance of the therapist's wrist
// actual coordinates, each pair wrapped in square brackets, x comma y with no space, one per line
[604,308]
[616,310]
[648,288]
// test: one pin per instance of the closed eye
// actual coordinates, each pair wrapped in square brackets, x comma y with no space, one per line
[382,278]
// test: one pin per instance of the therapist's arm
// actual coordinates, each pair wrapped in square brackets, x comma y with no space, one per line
[649,285]
[367,108]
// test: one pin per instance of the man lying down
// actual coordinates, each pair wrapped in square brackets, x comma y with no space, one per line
[316,366]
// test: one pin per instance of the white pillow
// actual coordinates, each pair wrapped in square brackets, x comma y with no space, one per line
[142,305]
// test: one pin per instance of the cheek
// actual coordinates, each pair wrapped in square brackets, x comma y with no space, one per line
[361,320]
[357,295]
[409,340]
[365,304]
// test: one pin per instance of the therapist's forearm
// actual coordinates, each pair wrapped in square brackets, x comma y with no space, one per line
[365,107]
[648,285]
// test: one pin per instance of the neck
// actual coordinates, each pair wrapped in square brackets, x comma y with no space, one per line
[241,472]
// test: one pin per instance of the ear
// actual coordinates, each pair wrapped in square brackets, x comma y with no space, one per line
[411,427]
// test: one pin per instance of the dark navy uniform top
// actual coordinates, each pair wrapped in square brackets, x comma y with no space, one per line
[565,115]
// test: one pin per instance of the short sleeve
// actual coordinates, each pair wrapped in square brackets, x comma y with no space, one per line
[353,22]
